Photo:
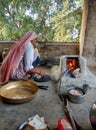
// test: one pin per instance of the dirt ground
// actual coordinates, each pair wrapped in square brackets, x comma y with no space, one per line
[48,105]
[81,112]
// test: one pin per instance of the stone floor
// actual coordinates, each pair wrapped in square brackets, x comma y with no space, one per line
[81,112]
[46,104]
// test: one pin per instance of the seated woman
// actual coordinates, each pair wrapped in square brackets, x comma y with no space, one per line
[21,59]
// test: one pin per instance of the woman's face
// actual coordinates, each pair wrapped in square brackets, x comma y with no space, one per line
[34,42]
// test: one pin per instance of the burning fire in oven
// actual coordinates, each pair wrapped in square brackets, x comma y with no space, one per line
[73,66]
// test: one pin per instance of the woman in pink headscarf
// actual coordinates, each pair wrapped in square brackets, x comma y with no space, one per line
[21,59]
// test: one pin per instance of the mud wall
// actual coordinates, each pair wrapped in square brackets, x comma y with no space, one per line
[51,51]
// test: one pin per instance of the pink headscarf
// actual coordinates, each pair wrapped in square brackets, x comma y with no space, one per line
[13,58]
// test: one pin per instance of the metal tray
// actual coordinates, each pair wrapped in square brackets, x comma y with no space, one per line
[18,92]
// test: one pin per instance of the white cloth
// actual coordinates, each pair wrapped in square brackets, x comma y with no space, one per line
[30,56]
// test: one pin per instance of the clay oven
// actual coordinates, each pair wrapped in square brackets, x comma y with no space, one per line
[82,73]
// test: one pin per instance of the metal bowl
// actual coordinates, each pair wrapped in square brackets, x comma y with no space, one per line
[75,94]
[18,92]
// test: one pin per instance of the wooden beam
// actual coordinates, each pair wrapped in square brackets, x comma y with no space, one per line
[83,25]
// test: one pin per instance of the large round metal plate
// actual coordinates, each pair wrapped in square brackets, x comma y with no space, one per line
[18,91]
[93,115]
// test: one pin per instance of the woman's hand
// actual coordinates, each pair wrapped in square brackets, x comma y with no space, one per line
[42,73]
[37,71]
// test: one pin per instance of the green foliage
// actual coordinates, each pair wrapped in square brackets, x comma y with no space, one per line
[65,21]
[53,19]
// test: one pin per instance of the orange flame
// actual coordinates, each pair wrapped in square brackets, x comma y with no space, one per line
[72,64]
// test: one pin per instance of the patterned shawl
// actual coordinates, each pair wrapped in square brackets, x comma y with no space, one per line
[12,60]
